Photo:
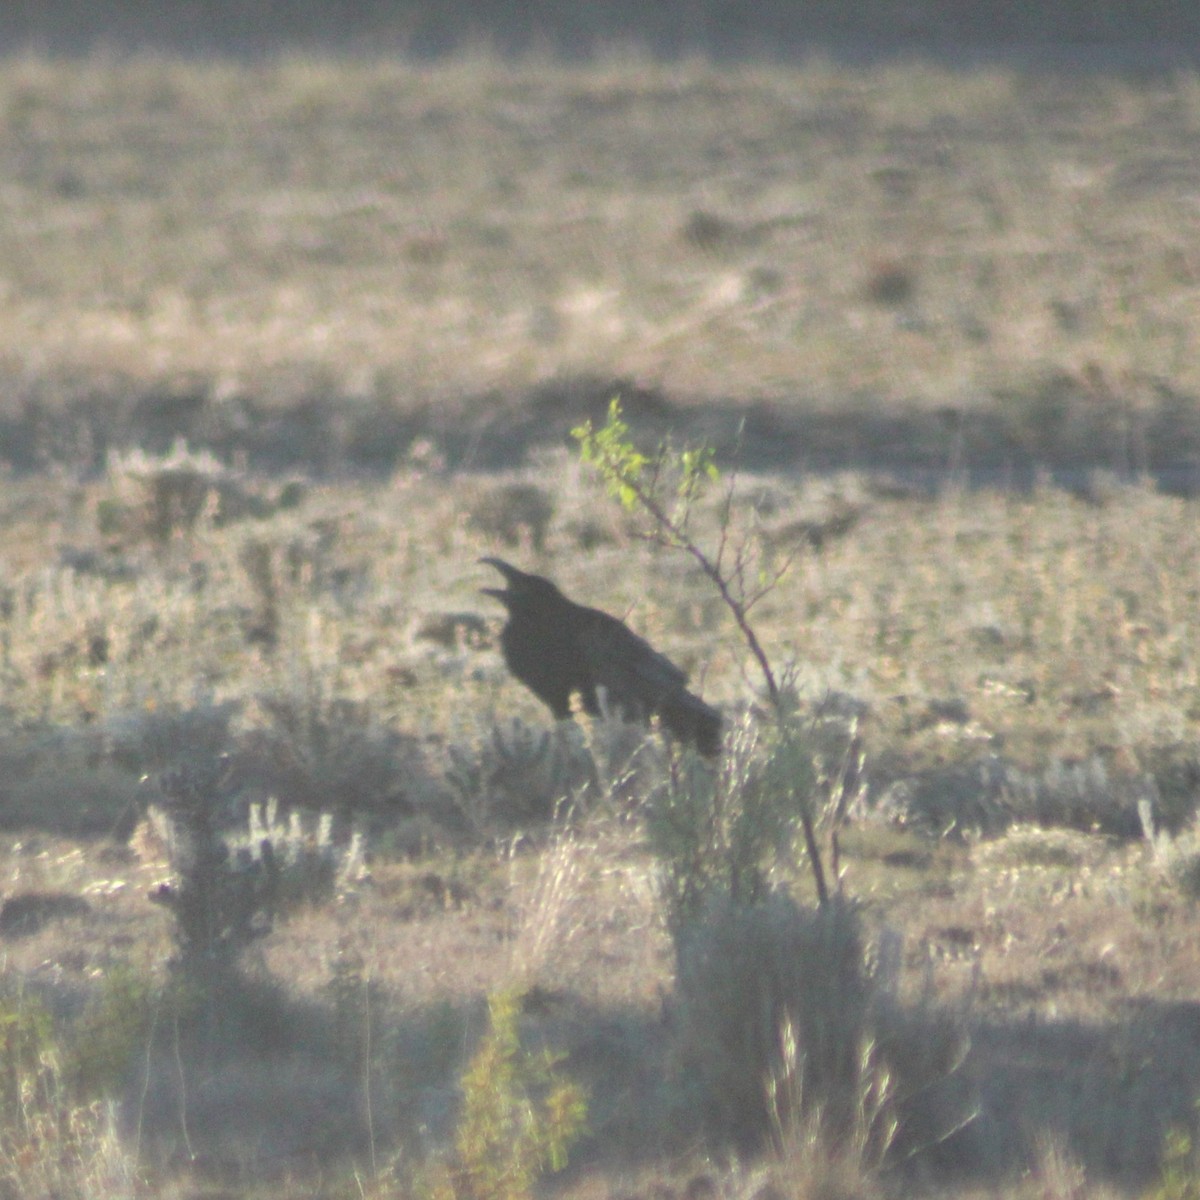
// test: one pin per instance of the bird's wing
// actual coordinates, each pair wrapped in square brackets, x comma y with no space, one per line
[633,673]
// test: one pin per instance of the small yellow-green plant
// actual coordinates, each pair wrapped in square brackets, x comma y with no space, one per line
[53,1142]
[1180,1178]
[664,488]
[519,1118]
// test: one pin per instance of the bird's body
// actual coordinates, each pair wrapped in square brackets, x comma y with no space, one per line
[558,648]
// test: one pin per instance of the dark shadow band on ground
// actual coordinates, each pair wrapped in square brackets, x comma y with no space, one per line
[1057,431]
[1150,34]
[1103,1097]
[1109,1094]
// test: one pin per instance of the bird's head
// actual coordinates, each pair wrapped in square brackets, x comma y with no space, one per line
[522,588]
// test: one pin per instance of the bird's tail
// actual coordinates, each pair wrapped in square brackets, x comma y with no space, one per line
[691,720]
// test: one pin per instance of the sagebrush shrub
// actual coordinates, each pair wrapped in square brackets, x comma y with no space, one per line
[750,977]
[717,833]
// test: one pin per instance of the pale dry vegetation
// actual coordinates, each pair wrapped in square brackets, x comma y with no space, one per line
[278,825]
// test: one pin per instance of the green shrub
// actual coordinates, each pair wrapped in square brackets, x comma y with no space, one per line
[663,491]
[52,1143]
[519,1117]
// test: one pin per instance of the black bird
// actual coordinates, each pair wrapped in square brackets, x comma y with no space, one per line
[556,647]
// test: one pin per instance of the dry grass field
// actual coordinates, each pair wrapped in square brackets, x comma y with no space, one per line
[902,260]
[285,349]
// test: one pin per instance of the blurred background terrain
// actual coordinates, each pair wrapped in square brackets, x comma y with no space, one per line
[299,303]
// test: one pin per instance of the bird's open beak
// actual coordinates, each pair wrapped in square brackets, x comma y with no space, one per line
[505,570]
